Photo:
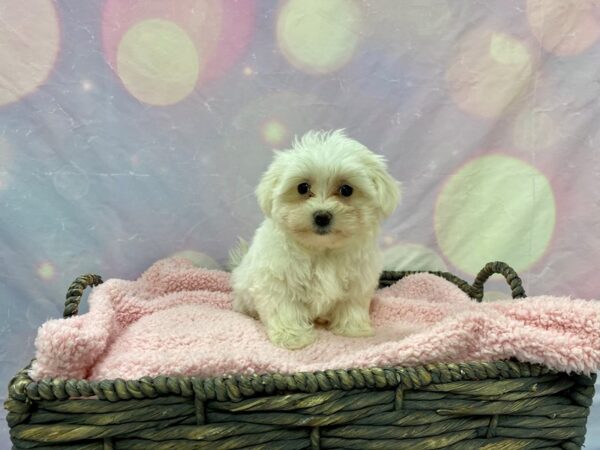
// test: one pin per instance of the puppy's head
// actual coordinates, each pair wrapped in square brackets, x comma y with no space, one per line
[327,190]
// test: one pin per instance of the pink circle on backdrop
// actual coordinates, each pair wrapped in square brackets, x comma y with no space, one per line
[30,40]
[237,26]
[565,27]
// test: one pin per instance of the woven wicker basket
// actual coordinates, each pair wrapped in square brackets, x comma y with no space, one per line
[481,405]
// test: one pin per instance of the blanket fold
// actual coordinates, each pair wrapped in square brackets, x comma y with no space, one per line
[176,319]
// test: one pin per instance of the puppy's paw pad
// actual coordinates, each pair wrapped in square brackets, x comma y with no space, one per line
[292,340]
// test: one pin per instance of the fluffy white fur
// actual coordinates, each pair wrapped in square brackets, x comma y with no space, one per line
[296,274]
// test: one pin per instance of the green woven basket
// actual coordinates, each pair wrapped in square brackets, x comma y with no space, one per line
[478,405]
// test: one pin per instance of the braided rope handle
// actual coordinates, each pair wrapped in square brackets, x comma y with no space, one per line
[509,274]
[474,290]
[387,278]
[75,292]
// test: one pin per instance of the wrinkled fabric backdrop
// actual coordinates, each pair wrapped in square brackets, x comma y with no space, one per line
[133,130]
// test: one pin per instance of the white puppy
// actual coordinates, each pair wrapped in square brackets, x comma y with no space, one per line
[316,258]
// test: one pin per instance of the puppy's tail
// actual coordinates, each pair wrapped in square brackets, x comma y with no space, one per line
[237,253]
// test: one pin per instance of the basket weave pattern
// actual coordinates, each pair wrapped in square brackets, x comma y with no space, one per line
[492,405]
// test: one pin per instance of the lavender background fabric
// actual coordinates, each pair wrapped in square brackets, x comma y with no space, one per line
[133,130]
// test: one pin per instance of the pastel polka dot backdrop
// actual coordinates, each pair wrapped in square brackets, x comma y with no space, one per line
[132,130]
[5,162]
[157,62]
[565,27]
[490,70]
[494,205]
[319,37]
[24,66]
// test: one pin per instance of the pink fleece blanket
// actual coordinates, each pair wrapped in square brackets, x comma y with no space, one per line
[176,319]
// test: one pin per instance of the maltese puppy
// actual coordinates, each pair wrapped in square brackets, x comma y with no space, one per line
[315,258]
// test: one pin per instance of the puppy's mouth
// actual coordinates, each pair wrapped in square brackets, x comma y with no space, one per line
[322,230]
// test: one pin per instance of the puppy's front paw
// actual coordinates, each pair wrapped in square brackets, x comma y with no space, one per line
[353,329]
[292,339]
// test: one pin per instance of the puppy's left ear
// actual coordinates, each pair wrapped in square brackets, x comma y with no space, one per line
[387,189]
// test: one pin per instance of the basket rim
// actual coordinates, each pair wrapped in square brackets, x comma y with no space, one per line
[240,386]
[290,389]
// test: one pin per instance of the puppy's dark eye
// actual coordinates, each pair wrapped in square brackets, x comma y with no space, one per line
[346,191]
[303,188]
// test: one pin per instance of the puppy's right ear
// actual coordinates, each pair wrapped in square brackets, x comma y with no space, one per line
[266,188]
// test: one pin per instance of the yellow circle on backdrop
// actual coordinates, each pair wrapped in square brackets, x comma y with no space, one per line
[495,208]
[158,62]
[46,271]
[274,132]
[29,43]
[319,36]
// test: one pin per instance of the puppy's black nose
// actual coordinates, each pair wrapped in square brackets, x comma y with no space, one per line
[322,218]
